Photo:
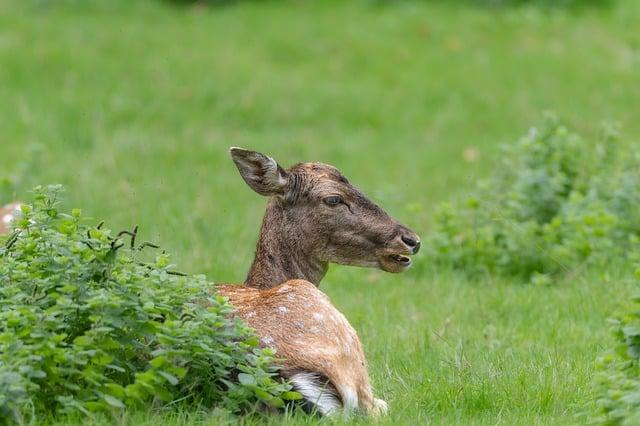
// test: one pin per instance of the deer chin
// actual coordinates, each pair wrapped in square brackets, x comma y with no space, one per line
[394,263]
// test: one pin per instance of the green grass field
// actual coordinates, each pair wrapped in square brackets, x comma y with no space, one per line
[133,105]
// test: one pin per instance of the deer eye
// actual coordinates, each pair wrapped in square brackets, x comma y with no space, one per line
[332,200]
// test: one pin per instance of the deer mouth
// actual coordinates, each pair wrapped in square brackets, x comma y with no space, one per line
[394,262]
[401,259]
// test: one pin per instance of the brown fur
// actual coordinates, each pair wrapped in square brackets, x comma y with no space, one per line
[307,332]
[302,232]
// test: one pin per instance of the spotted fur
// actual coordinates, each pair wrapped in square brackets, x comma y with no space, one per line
[329,349]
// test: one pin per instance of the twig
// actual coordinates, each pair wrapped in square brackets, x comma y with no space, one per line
[147,244]
[12,240]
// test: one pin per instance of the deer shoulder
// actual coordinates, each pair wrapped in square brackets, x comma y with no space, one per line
[319,350]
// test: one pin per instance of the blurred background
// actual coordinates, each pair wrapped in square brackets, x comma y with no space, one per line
[132,105]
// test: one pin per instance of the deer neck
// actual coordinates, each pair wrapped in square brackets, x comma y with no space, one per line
[283,252]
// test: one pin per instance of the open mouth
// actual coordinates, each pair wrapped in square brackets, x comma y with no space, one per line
[402,260]
[394,262]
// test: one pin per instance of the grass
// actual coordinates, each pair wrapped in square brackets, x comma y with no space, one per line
[132,105]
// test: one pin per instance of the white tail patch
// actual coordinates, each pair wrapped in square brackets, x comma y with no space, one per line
[315,391]
[349,399]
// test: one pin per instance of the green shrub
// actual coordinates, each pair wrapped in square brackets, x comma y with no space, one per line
[556,203]
[618,378]
[87,325]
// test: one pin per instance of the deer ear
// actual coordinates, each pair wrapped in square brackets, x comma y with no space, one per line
[261,173]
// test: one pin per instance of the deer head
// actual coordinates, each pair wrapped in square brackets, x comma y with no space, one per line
[314,217]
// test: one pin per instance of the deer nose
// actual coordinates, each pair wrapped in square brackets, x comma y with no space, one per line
[413,243]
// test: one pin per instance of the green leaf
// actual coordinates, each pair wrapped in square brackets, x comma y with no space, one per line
[179,372]
[113,401]
[83,341]
[262,394]
[115,389]
[158,362]
[116,368]
[291,395]
[276,402]
[170,378]
[247,379]
[94,406]
[135,391]
[163,394]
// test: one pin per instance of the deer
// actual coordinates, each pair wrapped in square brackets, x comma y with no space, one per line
[314,217]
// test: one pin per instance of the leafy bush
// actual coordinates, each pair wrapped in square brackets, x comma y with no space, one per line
[618,378]
[556,203]
[86,325]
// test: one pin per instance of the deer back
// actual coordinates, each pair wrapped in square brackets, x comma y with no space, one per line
[308,333]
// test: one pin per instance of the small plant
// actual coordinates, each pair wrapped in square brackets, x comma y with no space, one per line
[618,377]
[87,325]
[557,203]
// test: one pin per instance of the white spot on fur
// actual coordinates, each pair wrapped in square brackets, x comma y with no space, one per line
[299,324]
[251,314]
[267,340]
[314,391]
[314,329]
[283,310]
[283,289]
[318,317]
